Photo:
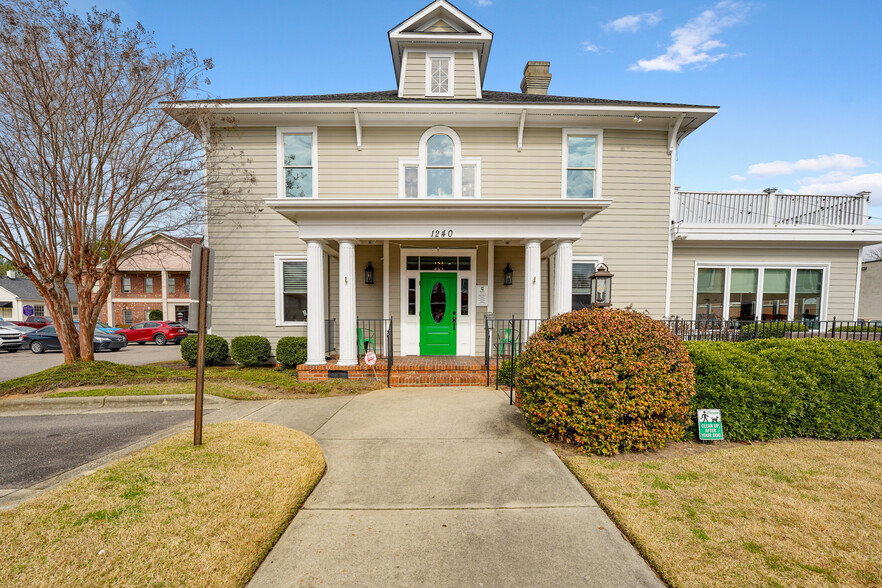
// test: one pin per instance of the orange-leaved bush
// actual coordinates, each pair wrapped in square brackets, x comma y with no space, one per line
[606,381]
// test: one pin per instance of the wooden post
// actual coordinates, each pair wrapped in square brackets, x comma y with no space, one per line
[200,343]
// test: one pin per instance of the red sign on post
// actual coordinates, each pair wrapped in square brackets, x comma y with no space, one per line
[370,358]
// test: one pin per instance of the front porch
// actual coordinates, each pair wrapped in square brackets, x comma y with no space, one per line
[407,371]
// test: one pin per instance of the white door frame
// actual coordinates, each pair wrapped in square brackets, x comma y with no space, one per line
[410,326]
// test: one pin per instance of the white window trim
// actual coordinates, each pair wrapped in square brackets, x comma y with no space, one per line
[451,57]
[476,162]
[407,162]
[280,157]
[595,259]
[762,266]
[457,162]
[598,158]
[278,260]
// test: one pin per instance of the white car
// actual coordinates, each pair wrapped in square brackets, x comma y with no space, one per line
[10,339]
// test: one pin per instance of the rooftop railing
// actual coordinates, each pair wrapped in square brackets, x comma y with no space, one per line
[770,208]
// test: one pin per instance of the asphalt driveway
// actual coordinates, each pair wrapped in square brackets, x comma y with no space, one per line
[23,363]
[440,487]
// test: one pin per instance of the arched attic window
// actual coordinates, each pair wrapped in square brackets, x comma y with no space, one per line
[441,171]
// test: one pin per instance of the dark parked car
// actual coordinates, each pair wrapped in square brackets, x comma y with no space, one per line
[47,339]
[160,332]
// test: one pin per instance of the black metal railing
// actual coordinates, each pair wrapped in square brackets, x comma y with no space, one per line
[330,334]
[376,335]
[715,329]
[504,340]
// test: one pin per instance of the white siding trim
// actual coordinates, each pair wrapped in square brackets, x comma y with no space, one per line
[278,259]
[402,74]
[857,284]
[402,163]
[451,59]
[280,157]
[477,66]
[598,159]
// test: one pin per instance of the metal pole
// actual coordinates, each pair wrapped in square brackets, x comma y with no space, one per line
[200,345]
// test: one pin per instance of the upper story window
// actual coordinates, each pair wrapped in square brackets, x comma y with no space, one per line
[439,74]
[581,163]
[297,155]
[148,285]
[440,171]
[126,284]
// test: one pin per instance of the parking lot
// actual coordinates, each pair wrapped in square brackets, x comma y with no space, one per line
[22,363]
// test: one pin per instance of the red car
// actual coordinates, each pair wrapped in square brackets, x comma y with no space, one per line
[160,332]
[34,322]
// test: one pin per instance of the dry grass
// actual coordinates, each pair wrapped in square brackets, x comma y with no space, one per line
[788,513]
[232,391]
[170,515]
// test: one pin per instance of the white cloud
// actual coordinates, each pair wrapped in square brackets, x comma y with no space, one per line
[738,178]
[590,47]
[695,41]
[837,161]
[839,182]
[484,2]
[631,23]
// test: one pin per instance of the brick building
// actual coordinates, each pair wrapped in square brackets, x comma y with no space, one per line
[153,276]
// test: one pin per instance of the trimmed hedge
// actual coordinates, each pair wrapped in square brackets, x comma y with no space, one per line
[217,352]
[291,351]
[606,380]
[155,315]
[250,350]
[857,329]
[772,388]
[770,330]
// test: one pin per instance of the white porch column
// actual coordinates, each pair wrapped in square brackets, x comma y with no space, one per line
[563,277]
[532,283]
[348,335]
[315,303]
[164,281]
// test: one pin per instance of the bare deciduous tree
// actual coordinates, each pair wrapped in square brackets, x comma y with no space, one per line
[89,164]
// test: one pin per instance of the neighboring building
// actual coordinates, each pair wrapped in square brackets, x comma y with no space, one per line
[440,186]
[871,290]
[16,293]
[153,276]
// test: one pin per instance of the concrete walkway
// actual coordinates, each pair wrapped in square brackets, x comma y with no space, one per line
[440,487]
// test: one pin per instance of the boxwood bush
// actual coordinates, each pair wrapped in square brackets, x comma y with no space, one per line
[291,351]
[217,352]
[155,315]
[606,381]
[770,330]
[771,388]
[250,350]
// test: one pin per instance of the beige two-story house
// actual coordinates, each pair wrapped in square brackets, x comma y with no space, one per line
[440,202]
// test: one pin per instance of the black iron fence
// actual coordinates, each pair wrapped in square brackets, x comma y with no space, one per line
[376,335]
[735,330]
[504,340]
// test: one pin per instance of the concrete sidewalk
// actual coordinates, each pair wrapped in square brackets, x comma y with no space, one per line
[441,487]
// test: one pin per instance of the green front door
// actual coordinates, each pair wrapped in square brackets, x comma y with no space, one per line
[437,313]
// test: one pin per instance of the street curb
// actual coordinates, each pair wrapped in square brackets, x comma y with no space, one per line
[91,402]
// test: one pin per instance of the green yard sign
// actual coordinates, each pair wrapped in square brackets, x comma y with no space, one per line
[710,424]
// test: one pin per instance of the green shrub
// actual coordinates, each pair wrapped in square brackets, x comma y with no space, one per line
[291,351]
[505,375]
[606,380]
[217,352]
[770,330]
[250,350]
[772,388]
[155,315]
[858,329]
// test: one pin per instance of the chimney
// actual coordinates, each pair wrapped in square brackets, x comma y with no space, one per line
[536,78]
[10,273]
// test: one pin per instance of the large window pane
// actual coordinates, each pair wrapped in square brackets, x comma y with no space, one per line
[294,290]
[582,285]
[580,151]
[440,150]
[298,182]
[776,294]
[439,182]
[742,294]
[298,150]
[809,283]
[709,293]
[580,183]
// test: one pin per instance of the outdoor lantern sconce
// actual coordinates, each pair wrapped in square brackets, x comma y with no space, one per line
[601,286]
[507,275]
[369,274]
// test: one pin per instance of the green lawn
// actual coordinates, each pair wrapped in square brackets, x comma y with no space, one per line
[786,513]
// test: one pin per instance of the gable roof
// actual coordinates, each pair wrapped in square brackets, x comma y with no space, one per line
[23,288]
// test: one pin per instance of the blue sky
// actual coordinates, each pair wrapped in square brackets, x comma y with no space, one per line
[798,82]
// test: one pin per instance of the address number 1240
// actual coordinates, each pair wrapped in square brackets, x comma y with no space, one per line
[441,233]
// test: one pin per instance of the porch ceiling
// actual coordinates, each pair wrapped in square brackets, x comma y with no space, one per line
[439,219]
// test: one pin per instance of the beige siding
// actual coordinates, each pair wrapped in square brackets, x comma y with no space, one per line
[841,279]
[632,234]
[414,75]
[464,75]
[441,26]
[871,291]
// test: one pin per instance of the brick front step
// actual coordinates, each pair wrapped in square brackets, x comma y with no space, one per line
[407,371]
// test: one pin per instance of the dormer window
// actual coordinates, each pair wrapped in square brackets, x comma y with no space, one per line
[439,74]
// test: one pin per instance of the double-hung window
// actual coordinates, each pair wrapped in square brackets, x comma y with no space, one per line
[440,171]
[582,272]
[297,156]
[439,74]
[581,163]
[171,285]
[290,290]
[148,285]
[126,284]
[439,166]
